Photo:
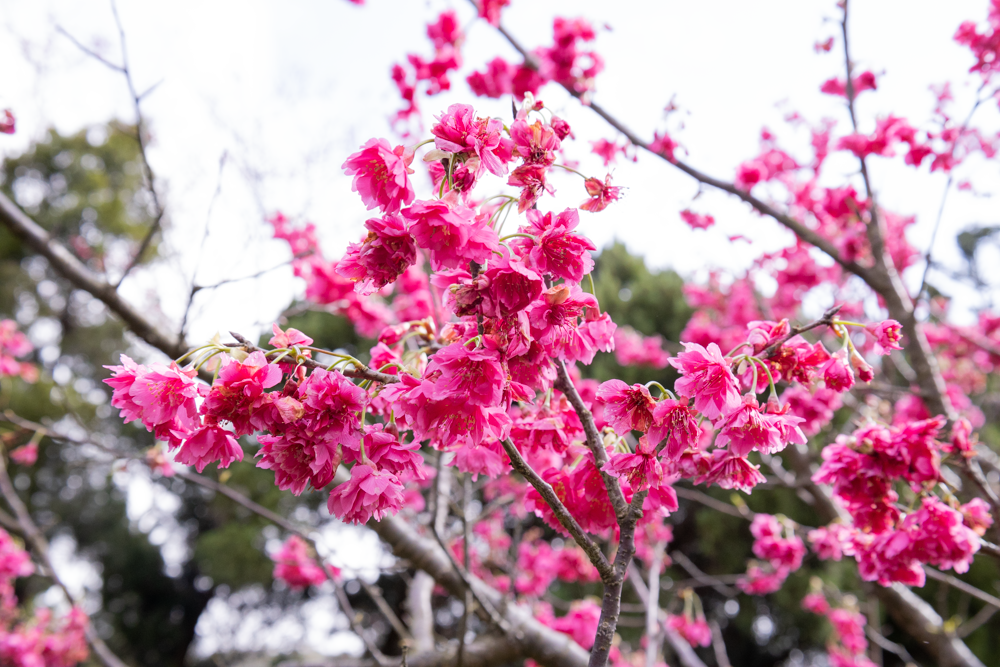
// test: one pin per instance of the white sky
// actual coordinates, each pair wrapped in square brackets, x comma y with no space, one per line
[288,90]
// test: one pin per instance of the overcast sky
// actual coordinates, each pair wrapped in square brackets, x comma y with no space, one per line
[287,90]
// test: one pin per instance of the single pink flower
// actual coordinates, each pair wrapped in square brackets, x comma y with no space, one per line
[553,248]
[706,377]
[294,565]
[288,338]
[535,143]
[369,493]
[14,561]
[238,394]
[837,374]
[459,131]
[531,179]
[209,444]
[474,374]
[695,631]
[816,603]
[601,194]
[697,220]
[7,122]
[490,10]
[384,254]
[746,429]
[642,469]
[381,175]
[887,335]
[26,455]
[451,233]
[761,581]
[678,423]
[627,408]
[732,472]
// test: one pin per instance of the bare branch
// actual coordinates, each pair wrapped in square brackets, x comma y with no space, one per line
[594,442]
[566,519]
[960,585]
[72,269]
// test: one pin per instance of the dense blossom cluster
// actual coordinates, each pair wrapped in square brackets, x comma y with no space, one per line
[14,344]
[34,638]
[479,333]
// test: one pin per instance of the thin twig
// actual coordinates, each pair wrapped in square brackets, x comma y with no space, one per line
[356,627]
[719,645]
[159,210]
[700,576]
[888,645]
[653,637]
[960,585]
[826,320]
[709,501]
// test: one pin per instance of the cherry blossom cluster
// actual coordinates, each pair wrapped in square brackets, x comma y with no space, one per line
[780,552]
[294,565]
[891,543]
[691,623]
[847,646]
[14,344]
[33,638]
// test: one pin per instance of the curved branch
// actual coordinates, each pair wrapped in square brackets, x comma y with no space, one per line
[72,269]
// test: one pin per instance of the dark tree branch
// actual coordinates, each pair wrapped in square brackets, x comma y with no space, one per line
[566,519]
[72,269]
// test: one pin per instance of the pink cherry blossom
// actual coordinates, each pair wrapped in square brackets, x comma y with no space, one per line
[26,455]
[288,338]
[238,395]
[474,374]
[385,253]
[369,493]
[512,286]
[381,175]
[642,469]
[209,444]
[707,378]
[837,373]
[816,603]
[697,220]
[601,194]
[459,131]
[731,472]
[887,336]
[695,631]
[634,349]
[746,429]
[451,233]
[678,423]
[535,143]
[627,408]
[294,565]
[553,247]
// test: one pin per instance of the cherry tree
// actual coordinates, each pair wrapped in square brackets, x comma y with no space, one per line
[471,440]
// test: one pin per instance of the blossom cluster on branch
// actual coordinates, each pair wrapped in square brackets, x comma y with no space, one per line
[33,638]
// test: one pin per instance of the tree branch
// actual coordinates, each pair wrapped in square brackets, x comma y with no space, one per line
[566,519]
